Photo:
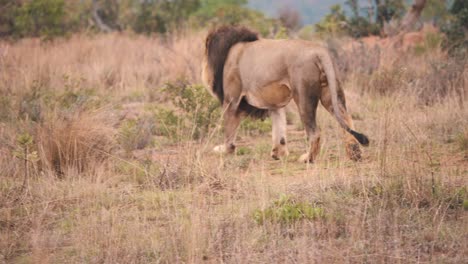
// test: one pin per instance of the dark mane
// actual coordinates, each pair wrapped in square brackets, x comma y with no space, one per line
[218,43]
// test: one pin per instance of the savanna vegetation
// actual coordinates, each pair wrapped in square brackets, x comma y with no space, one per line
[106,144]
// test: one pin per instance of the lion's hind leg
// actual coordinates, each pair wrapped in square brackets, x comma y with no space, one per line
[307,106]
[278,118]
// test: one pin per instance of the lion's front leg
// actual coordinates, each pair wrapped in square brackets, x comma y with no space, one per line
[278,118]
[231,123]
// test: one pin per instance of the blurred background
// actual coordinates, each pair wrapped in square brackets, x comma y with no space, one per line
[355,18]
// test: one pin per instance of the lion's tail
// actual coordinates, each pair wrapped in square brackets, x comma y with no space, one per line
[330,73]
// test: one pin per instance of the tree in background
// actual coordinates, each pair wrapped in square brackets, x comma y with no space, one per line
[48,18]
[410,21]
[388,10]
[389,16]
[436,11]
[34,18]
[289,18]
[7,17]
[357,25]
[332,24]
[106,15]
[164,15]
[40,18]
[456,29]
[232,12]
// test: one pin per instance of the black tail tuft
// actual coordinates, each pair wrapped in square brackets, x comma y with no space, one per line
[363,140]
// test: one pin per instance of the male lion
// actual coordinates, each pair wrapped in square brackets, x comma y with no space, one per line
[254,77]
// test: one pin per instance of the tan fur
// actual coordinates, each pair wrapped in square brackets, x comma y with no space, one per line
[268,74]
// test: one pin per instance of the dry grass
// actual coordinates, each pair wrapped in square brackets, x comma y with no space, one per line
[97,194]
[79,141]
[122,64]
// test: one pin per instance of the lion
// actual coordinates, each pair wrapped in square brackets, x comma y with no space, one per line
[259,77]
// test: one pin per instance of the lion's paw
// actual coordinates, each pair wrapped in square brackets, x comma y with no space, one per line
[220,149]
[305,158]
[279,152]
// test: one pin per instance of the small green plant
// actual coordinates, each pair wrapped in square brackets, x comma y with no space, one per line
[198,109]
[458,199]
[282,33]
[432,41]
[243,151]
[31,103]
[462,140]
[24,152]
[135,134]
[74,99]
[168,123]
[287,210]
[255,126]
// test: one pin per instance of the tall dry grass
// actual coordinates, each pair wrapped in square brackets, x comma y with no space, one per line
[120,63]
[96,195]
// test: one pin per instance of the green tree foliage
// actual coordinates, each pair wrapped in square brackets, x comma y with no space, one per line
[460,10]
[360,27]
[457,28]
[333,23]
[357,25]
[40,18]
[231,12]
[389,9]
[337,23]
[109,12]
[26,18]
[7,18]
[212,8]
[436,11]
[162,16]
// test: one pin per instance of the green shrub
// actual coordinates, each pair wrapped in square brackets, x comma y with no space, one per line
[73,98]
[24,148]
[162,16]
[39,100]
[333,23]
[7,16]
[361,27]
[198,109]
[231,12]
[455,29]
[135,134]
[169,124]
[40,18]
[432,42]
[31,104]
[255,126]
[286,210]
